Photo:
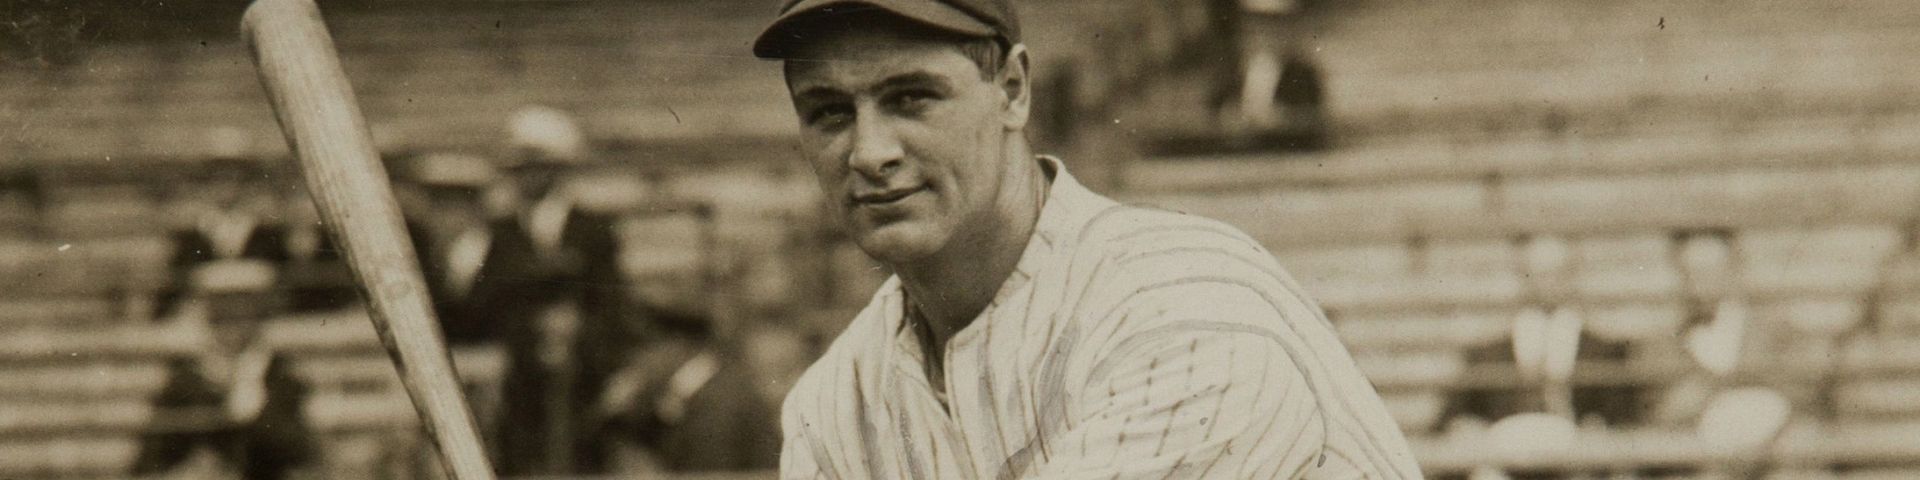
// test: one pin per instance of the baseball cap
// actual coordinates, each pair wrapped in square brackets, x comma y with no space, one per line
[976,18]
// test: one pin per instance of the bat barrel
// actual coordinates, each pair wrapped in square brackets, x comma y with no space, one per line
[315,106]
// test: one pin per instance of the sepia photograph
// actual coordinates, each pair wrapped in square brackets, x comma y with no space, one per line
[959,239]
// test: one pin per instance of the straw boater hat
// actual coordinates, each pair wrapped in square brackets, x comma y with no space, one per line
[452,170]
[539,134]
[233,276]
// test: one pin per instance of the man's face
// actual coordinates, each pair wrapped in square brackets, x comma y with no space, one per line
[535,179]
[905,135]
[236,318]
[456,205]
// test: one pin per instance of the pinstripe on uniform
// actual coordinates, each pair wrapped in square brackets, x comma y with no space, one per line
[1128,343]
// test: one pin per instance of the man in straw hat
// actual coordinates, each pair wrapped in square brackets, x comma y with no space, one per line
[248,402]
[551,283]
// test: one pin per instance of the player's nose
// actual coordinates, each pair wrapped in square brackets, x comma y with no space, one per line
[877,153]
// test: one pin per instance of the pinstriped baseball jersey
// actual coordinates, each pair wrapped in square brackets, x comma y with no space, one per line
[1127,343]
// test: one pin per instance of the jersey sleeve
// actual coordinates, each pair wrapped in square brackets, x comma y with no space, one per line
[1191,396]
[797,460]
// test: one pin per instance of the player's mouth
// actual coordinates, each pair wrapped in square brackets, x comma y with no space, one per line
[877,198]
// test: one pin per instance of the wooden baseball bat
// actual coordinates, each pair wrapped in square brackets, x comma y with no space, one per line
[317,113]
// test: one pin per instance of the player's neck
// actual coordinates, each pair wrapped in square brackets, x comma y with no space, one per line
[952,288]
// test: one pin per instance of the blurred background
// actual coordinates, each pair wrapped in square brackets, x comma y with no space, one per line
[1608,239]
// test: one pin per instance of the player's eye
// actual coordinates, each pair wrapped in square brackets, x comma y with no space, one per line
[829,116]
[914,100]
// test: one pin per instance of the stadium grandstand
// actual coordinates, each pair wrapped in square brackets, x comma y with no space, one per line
[1608,239]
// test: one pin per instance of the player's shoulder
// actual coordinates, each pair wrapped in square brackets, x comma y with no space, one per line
[1142,246]
[1123,229]
[1158,267]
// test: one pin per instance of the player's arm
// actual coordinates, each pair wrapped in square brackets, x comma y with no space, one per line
[1191,397]
[797,459]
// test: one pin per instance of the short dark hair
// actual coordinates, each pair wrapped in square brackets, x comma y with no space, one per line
[988,53]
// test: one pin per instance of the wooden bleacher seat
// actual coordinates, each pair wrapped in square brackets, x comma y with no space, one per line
[1899,316]
[1668,148]
[1468,257]
[1416,411]
[84,379]
[337,332]
[112,428]
[77,457]
[1771,197]
[1416,293]
[1872,372]
[105,218]
[1576,205]
[1410,366]
[1816,444]
[1635,322]
[1449,330]
[33,312]
[1605,264]
[1373,259]
[1810,55]
[65,390]
[1867,242]
[345,370]
[1358,295]
[1878,473]
[1636,250]
[1628,284]
[1878,399]
[90,281]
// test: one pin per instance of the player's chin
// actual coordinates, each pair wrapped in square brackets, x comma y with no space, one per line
[900,241]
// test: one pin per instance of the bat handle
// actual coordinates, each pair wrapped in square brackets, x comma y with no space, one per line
[315,106]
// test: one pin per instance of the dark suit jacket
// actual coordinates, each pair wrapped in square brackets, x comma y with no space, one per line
[516,274]
[449,309]
[518,282]
[274,443]
[724,424]
[1616,404]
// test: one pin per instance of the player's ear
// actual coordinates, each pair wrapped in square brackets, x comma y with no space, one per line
[1016,82]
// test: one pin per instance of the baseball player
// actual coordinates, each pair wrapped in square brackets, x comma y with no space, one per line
[1033,328]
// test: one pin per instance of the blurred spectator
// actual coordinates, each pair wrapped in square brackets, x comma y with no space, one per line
[694,402]
[1716,329]
[699,395]
[316,275]
[546,256]
[1523,434]
[247,397]
[539,432]
[1270,86]
[1747,421]
[1547,341]
[228,219]
[21,187]
[1544,348]
[449,228]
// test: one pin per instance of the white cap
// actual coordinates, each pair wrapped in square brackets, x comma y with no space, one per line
[1527,433]
[1744,418]
[453,169]
[538,133]
[233,276]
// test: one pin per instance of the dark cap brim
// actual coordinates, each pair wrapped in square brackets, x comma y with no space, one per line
[794,28]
